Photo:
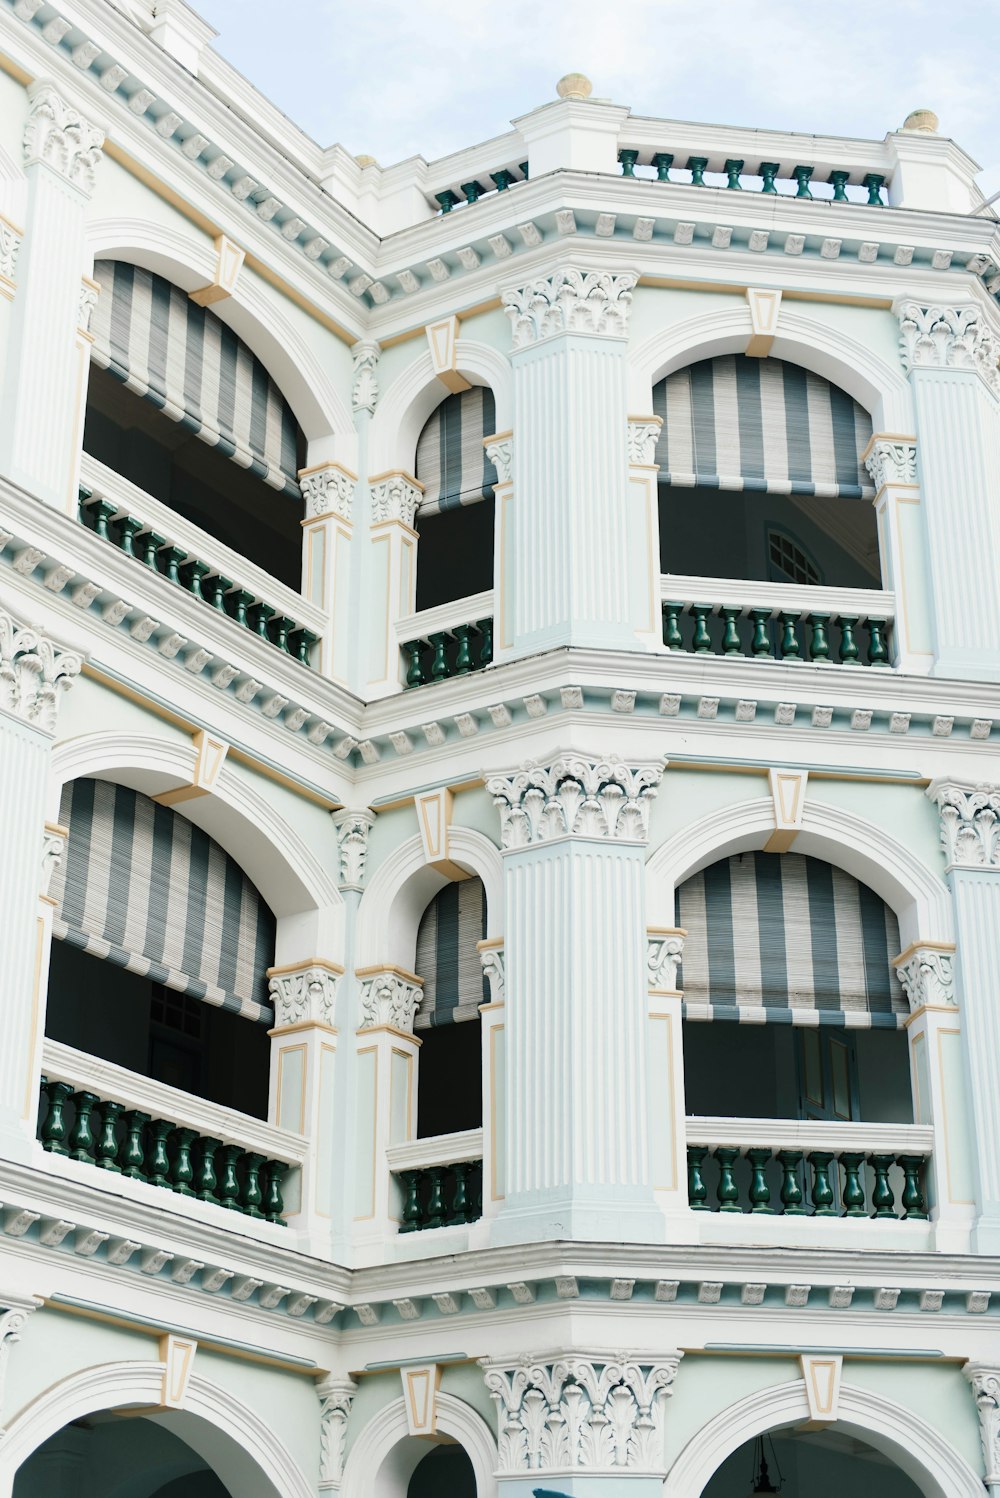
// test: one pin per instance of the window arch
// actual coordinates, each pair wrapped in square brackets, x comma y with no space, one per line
[455,515]
[449,1094]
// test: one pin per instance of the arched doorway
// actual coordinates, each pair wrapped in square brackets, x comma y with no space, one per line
[820,1463]
[445,1469]
[104,1454]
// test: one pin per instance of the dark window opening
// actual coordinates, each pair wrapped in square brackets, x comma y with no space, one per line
[789,562]
[455,554]
[450,1092]
[445,1470]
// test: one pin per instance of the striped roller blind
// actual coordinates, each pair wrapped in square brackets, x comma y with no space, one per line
[447,956]
[142,887]
[194,368]
[779,937]
[760,424]
[451,460]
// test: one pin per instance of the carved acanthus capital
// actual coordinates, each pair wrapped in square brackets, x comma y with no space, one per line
[500,451]
[985,1381]
[592,1412]
[493,966]
[328,491]
[574,797]
[390,997]
[353,828]
[570,301]
[664,950]
[336,1395]
[395,496]
[970,823]
[33,672]
[364,385]
[941,337]
[891,460]
[304,993]
[89,292]
[927,975]
[58,134]
[643,433]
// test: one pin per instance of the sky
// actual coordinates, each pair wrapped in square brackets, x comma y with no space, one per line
[397,78]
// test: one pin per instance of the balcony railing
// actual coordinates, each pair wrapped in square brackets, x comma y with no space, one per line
[129,1125]
[441,1180]
[450,640]
[777,621]
[156,537]
[794,1169]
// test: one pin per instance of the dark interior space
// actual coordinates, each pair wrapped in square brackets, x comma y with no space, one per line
[455,554]
[445,1472]
[450,1091]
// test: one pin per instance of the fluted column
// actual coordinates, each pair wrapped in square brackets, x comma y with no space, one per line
[950,353]
[892,466]
[970,837]
[33,673]
[328,491]
[576,1157]
[665,1050]
[390,590]
[576,543]
[48,361]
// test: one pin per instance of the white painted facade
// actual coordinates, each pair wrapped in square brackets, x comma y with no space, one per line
[594,1328]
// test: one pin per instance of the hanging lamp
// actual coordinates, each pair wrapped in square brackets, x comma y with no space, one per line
[761,1472]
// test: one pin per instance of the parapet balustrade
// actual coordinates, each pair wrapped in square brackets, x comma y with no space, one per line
[450,640]
[440,1180]
[748,172]
[777,621]
[156,537]
[132,1126]
[796,1169]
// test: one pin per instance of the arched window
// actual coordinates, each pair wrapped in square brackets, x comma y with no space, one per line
[800,955]
[449,1093]
[180,406]
[455,516]
[161,951]
[754,446]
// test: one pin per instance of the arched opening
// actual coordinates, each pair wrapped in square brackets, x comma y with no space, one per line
[445,1469]
[450,1090]
[820,1463]
[103,1455]
[455,516]
[180,406]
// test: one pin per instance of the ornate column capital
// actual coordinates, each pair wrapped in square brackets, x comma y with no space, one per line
[970,823]
[395,496]
[947,337]
[574,797]
[336,1395]
[33,672]
[364,385]
[891,460]
[569,301]
[328,489]
[664,950]
[389,996]
[53,847]
[500,451]
[13,1315]
[304,993]
[984,1379]
[643,432]
[58,134]
[493,966]
[353,828]
[593,1412]
[926,971]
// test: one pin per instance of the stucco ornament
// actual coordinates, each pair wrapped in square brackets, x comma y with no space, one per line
[395,498]
[353,828]
[574,797]
[942,337]
[493,968]
[594,1412]
[364,386]
[53,848]
[328,491]
[57,133]
[336,1395]
[501,454]
[570,301]
[985,1381]
[10,246]
[970,823]
[34,671]
[307,995]
[892,462]
[928,977]
[12,1323]
[642,438]
[389,998]
[664,950]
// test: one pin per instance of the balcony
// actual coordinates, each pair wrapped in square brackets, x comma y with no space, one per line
[450,640]
[440,1180]
[140,1131]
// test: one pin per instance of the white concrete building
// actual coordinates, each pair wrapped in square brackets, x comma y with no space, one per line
[499,695]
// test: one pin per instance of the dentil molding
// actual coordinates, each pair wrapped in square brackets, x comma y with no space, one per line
[589,1412]
[390,998]
[970,823]
[570,301]
[305,994]
[33,672]
[947,337]
[395,497]
[328,491]
[336,1395]
[574,797]
[58,134]
[353,828]
[364,385]
[985,1381]
[890,460]
[927,975]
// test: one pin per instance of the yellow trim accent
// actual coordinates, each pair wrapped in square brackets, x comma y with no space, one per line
[387,967]
[292,1050]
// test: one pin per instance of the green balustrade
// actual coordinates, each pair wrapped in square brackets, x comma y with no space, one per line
[702,640]
[789,635]
[853,1194]
[835,1183]
[205,1179]
[502,179]
[760,1191]
[912,1200]
[447,199]
[822,1193]
[473,191]
[874,183]
[727,1191]
[132,1156]
[672,637]
[158,1164]
[54,1129]
[448,652]
[838,181]
[732,169]
[802,175]
[81,1139]
[819,645]
[106,1142]
[192,574]
[663,161]
[171,558]
[252,1196]
[697,166]
[436,1196]
[791,1191]
[182,1168]
[628,160]
[883,1199]
[128,529]
[697,1190]
[769,170]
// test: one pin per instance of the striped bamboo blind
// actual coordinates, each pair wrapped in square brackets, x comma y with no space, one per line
[451,461]
[142,887]
[193,367]
[447,956]
[760,424]
[780,937]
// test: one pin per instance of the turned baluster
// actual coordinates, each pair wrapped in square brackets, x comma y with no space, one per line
[769,170]
[732,170]
[106,1146]
[730,633]
[252,1194]
[413,650]
[663,161]
[883,1199]
[672,637]
[760,1191]
[696,166]
[191,576]
[274,1202]
[791,1190]
[463,655]
[53,1132]
[128,529]
[819,644]
[103,512]
[473,192]
[854,1186]
[260,617]
[485,628]
[205,1180]
[838,181]
[81,1139]
[281,629]
[503,180]
[83,495]
[727,1191]
[435,1214]
[628,160]
[874,183]
[239,600]
[702,640]
[229,1187]
[789,650]
[802,175]
[460,1197]
[182,1170]
[878,654]
[305,643]
[218,587]
[447,200]
[151,544]
[158,1165]
[848,645]
[172,557]
[912,1200]
[131,1156]
[760,644]
[439,660]
[822,1188]
[697,1190]
[412,1215]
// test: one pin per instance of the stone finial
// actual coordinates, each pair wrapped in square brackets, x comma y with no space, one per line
[574,86]
[924,120]
[364,161]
